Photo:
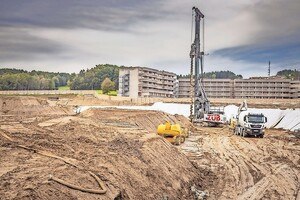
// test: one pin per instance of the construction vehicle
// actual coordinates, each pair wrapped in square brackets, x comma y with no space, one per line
[200,110]
[172,132]
[215,116]
[249,124]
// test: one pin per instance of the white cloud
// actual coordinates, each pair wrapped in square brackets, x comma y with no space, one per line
[164,42]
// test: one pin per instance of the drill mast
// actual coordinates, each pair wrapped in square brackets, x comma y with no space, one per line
[199,102]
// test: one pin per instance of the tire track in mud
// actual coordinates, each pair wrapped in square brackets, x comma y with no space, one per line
[247,168]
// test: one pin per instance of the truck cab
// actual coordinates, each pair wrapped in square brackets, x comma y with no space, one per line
[250,124]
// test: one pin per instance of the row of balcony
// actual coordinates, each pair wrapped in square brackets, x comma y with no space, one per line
[157,91]
[156,81]
[239,86]
[242,92]
[242,84]
[157,75]
[262,95]
[157,87]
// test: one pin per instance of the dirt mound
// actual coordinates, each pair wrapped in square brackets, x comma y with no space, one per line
[148,120]
[26,105]
[102,100]
[120,147]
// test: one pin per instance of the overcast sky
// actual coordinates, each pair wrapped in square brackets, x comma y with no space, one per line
[69,35]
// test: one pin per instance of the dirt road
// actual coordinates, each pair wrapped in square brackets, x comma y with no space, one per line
[246,168]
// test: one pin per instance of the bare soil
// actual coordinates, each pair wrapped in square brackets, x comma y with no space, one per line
[121,148]
[246,168]
[104,100]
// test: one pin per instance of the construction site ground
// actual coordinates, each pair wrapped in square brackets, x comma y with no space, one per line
[42,138]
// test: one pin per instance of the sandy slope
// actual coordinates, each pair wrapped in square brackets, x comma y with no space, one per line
[120,147]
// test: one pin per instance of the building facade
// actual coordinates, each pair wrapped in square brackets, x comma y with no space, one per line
[146,82]
[271,87]
[214,88]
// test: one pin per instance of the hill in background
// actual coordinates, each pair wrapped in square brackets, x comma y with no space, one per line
[91,79]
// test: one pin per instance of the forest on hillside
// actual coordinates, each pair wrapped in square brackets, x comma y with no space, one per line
[290,74]
[89,79]
[16,79]
[217,74]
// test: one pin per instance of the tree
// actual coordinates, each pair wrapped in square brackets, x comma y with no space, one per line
[91,79]
[289,73]
[107,85]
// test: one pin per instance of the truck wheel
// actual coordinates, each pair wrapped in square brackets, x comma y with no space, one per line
[182,139]
[244,133]
[237,131]
[261,136]
[177,140]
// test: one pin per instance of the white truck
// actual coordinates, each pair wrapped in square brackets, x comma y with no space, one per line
[249,124]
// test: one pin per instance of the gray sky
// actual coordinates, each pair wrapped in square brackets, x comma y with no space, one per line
[69,35]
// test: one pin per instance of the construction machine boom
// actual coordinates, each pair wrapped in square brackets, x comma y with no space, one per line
[200,104]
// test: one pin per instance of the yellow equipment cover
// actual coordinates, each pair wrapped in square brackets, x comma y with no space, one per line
[169,130]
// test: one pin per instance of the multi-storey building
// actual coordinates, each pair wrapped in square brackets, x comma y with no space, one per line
[271,87]
[262,88]
[146,82]
[295,89]
[214,88]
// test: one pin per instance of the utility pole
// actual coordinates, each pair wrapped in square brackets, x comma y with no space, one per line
[269,69]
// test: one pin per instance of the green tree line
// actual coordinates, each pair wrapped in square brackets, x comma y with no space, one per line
[91,79]
[15,79]
[218,75]
[291,74]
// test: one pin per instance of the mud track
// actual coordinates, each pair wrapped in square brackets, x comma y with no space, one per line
[246,168]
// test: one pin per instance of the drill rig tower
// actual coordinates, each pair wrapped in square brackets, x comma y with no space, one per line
[200,104]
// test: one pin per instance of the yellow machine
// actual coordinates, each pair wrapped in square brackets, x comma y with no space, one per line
[173,133]
[233,123]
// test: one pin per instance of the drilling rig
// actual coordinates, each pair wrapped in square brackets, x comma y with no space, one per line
[200,109]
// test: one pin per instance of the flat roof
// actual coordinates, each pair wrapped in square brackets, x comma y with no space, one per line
[148,68]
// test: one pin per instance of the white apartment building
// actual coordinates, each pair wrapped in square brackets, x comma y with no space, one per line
[264,87]
[146,82]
